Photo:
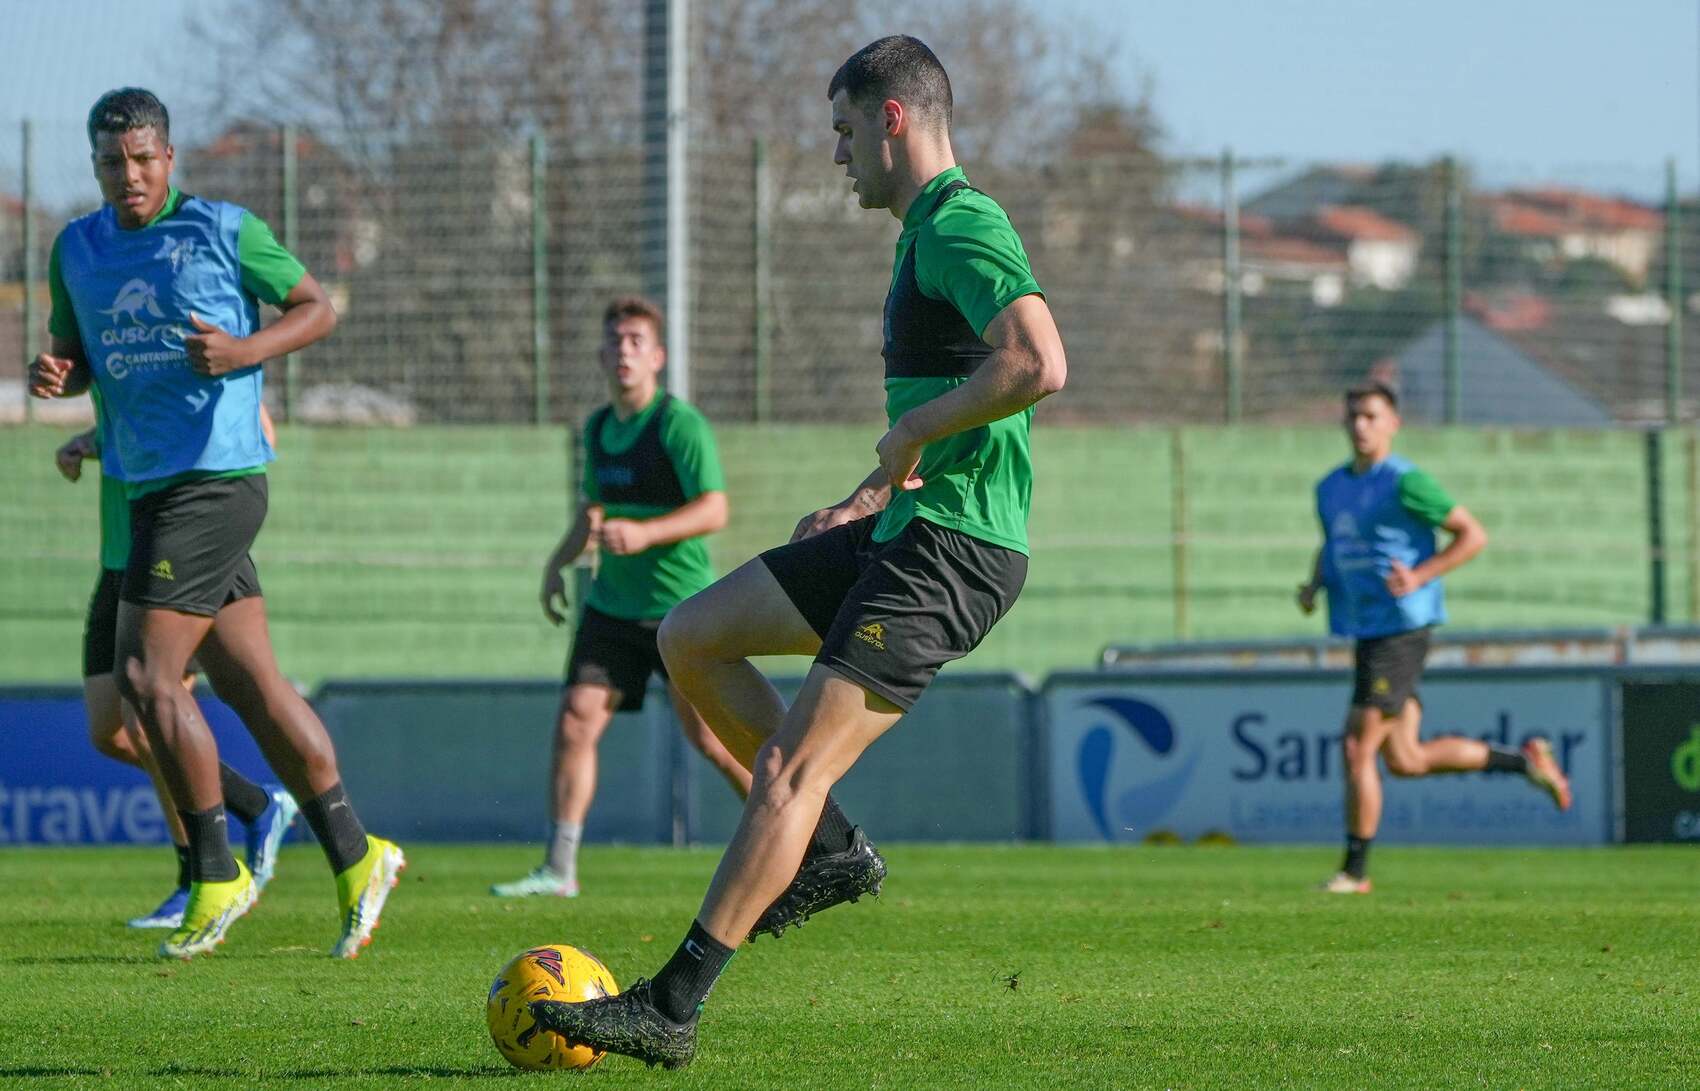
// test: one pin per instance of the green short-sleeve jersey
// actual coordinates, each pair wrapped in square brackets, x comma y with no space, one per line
[114,506]
[269,273]
[644,586]
[978,482]
[1422,496]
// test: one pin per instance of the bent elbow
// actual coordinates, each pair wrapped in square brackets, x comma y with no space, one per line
[718,516]
[1053,374]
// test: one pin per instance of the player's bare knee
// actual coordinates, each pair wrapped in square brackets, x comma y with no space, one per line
[129,680]
[577,729]
[1406,765]
[112,742]
[154,693]
[686,632]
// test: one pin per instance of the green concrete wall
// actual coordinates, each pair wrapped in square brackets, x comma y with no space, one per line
[416,553]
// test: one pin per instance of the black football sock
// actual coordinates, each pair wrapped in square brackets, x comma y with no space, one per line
[1357,856]
[242,797]
[333,821]
[832,832]
[209,846]
[1504,759]
[182,852]
[684,983]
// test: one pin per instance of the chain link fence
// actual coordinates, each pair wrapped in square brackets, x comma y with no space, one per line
[471,270]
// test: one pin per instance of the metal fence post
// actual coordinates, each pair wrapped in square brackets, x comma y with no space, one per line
[31,333]
[764,272]
[291,242]
[540,277]
[1691,508]
[1454,292]
[1673,297]
[1656,526]
[1231,360]
[1178,528]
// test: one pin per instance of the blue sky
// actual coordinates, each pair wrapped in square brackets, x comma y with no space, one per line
[1571,90]
[1557,87]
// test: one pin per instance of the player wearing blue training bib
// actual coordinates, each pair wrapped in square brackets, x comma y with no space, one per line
[156,302]
[1381,567]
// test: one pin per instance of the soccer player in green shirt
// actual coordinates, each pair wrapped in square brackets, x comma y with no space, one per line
[907,573]
[652,489]
[113,727]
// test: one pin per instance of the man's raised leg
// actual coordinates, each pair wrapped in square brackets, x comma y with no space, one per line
[708,744]
[706,642]
[1409,755]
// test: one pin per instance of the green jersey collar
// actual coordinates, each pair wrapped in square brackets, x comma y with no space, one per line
[172,199]
[923,202]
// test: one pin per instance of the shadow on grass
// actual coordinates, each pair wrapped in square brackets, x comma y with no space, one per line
[318,1075]
[321,1074]
[151,959]
[84,960]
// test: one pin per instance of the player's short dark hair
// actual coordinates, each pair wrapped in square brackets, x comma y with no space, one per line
[636,306]
[129,108]
[898,67]
[1373,389]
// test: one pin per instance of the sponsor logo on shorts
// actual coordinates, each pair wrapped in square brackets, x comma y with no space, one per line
[1381,687]
[872,634]
[162,571]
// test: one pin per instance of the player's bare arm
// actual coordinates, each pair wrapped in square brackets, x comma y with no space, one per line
[1027,365]
[1308,589]
[701,515]
[868,498]
[1468,539]
[572,545]
[60,372]
[70,455]
[308,316]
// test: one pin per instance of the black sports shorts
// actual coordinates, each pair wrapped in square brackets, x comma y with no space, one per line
[100,629]
[189,544]
[1386,670]
[890,614]
[617,653]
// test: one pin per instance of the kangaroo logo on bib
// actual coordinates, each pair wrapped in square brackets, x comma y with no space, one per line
[136,296]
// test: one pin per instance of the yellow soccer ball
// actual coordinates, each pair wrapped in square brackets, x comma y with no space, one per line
[553,972]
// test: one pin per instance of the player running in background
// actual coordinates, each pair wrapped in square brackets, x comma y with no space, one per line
[1381,570]
[113,727]
[652,489]
[906,574]
[156,299]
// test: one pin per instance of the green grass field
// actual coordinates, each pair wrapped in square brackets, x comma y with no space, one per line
[1030,966]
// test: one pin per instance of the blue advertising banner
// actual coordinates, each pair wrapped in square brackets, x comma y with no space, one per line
[56,789]
[1258,756]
